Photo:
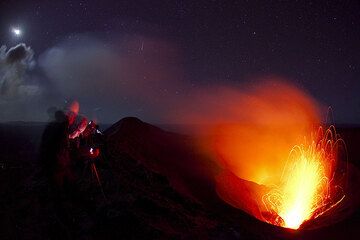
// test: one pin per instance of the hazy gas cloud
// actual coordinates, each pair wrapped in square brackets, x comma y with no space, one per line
[135,75]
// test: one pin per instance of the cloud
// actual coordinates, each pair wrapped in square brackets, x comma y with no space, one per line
[14,65]
[134,75]
[138,76]
[21,92]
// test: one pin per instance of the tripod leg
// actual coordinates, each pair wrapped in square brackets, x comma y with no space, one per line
[94,170]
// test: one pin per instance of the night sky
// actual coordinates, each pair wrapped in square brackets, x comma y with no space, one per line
[313,44]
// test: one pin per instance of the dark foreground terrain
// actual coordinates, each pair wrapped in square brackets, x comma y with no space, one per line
[145,196]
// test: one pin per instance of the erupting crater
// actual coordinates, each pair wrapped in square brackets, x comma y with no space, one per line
[276,163]
[311,183]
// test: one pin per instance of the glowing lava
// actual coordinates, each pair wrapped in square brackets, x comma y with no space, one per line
[307,188]
[271,166]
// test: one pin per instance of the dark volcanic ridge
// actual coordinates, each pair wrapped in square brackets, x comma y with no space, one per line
[146,197]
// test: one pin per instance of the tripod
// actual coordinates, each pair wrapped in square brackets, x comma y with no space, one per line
[94,154]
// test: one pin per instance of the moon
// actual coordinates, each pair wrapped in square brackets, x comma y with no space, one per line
[16,31]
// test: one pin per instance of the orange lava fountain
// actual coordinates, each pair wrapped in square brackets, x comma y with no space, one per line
[307,188]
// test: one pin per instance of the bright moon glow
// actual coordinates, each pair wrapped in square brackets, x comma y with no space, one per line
[16,31]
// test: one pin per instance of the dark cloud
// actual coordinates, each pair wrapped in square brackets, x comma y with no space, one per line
[19,53]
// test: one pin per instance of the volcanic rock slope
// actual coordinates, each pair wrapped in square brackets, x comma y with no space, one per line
[142,155]
[138,202]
